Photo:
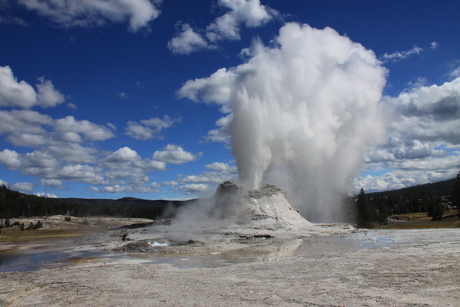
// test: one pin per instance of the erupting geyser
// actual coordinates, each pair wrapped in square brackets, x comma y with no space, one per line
[304,111]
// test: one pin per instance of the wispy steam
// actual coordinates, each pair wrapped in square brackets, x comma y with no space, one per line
[304,112]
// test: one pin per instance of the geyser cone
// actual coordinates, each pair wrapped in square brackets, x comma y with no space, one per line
[267,208]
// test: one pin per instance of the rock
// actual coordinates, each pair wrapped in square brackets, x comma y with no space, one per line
[135,247]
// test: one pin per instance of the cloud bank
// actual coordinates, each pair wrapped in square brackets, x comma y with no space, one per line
[424,138]
[66,150]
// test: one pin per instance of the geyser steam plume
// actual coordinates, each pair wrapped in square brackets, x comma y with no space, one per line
[304,111]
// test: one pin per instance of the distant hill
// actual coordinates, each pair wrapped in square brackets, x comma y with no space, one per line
[441,188]
[125,207]
[125,201]
[15,204]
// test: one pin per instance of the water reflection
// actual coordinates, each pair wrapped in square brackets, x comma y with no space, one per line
[263,253]
[35,259]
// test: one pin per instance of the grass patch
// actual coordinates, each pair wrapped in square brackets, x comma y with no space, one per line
[420,220]
[419,225]
[15,235]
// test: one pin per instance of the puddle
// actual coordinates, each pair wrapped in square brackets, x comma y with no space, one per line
[378,242]
[260,253]
[35,259]
[314,247]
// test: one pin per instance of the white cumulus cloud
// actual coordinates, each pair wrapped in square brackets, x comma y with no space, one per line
[123,155]
[125,164]
[89,13]
[216,89]
[46,195]
[193,188]
[23,187]
[188,41]
[248,13]
[175,154]
[148,129]
[23,121]
[91,131]
[10,159]
[130,189]
[222,133]
[14,93]
[55,183]
[221,167]
[208,180]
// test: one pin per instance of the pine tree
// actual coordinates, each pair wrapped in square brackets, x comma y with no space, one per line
[38,225]
[364,211]
[456,193]
[435,208]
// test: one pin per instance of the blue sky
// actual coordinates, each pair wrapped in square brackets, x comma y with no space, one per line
[111,98]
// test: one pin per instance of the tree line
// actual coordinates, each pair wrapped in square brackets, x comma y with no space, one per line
[16,204]
[375,209]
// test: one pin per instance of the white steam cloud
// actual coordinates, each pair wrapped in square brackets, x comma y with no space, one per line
[304,113]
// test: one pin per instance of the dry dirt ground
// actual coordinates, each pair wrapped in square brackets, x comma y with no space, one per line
[324,266]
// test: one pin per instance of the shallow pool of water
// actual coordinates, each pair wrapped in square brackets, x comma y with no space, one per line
[21,260]
[30,259]
[312,247]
